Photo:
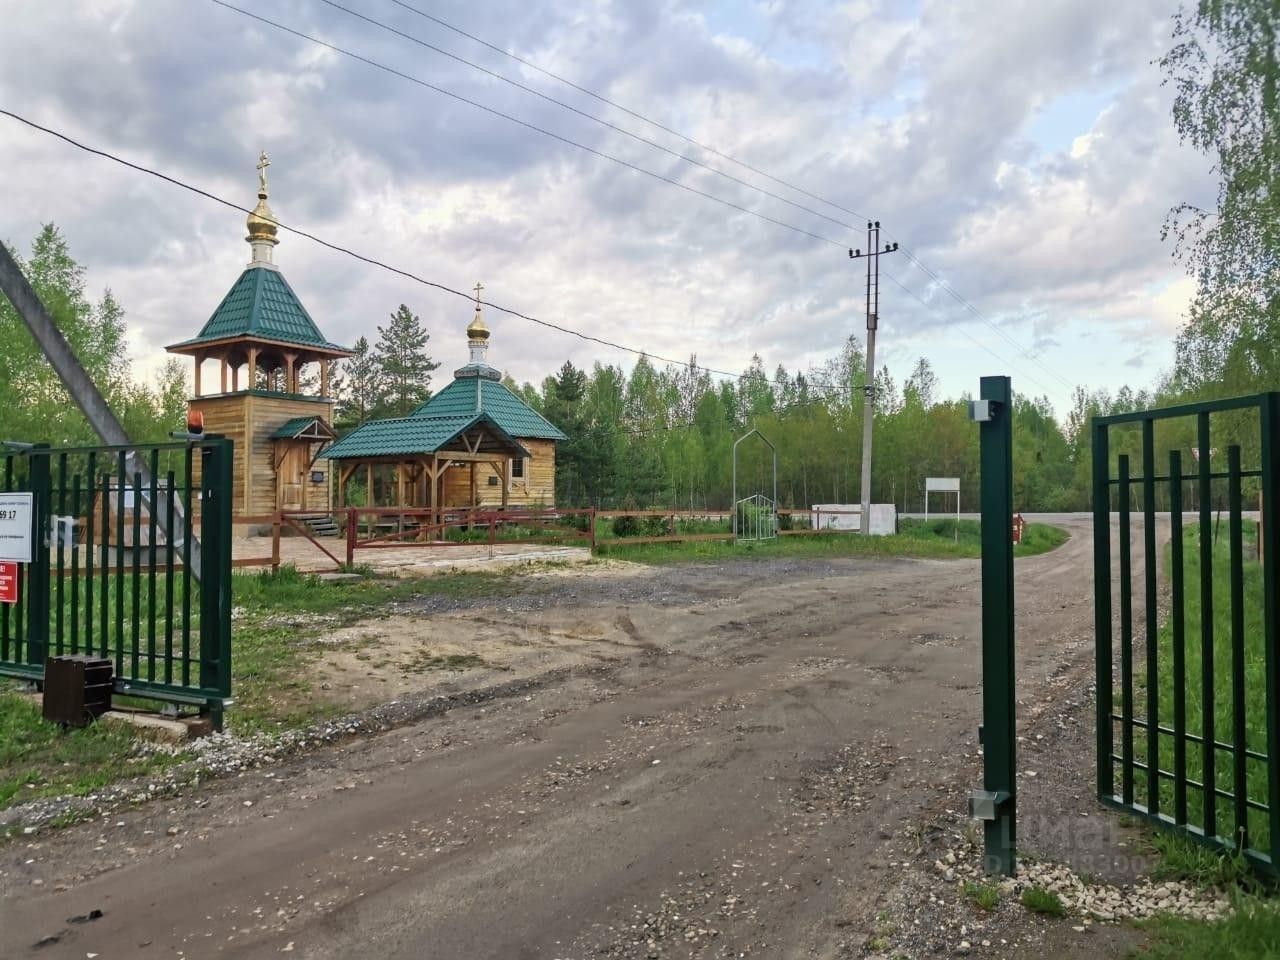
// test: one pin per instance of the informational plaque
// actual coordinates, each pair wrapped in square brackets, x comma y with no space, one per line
[15,527]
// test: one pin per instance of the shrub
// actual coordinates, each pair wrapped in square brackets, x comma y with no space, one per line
[576,521]
[626,526]
[655,526]
[985,896]
[1040,900]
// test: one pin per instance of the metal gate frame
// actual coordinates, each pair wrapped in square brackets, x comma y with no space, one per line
[1210,789]
[758,497]
[87,596]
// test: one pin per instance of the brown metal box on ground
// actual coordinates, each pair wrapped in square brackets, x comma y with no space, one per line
[77,689]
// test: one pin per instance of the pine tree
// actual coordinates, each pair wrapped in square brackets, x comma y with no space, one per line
[403,362]
[363,393]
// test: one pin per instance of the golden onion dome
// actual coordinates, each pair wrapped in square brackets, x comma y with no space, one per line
[261,223]
[476,330]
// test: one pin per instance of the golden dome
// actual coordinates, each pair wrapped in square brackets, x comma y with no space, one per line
[261,223]
[476,330]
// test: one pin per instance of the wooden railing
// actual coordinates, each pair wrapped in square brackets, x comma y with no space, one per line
[381,528]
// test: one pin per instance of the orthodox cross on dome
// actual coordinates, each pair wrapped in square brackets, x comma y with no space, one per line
[262,222]
[477,332]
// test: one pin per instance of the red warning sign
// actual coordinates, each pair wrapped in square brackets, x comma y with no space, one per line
[8,582]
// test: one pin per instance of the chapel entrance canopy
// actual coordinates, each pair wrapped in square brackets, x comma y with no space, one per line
[411,455]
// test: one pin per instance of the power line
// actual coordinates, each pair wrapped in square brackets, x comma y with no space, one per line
[951,291]
[524,123]
[617,106]
[409,275]
[928,306]
[955,295]
[371,261]
[591,150]
[583,113]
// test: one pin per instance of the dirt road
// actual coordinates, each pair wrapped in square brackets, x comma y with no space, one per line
[738,781]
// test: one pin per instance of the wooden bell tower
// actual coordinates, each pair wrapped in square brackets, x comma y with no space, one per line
[271,392]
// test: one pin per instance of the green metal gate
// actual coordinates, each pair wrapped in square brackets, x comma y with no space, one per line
[1197,673]
[106,580]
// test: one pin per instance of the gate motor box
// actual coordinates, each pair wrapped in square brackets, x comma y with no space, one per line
[77,689]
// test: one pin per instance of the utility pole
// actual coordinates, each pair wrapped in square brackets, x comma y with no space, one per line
[83,390]
[872,256]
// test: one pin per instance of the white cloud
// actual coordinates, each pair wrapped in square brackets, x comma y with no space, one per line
[919,121]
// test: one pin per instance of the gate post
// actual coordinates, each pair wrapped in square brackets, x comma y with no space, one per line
[1269,555]
[38,577]
[996,803]
[215,583]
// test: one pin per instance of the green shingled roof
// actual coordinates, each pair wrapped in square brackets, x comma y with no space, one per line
[469,395]
[409,436]
[262,304]
[291,428]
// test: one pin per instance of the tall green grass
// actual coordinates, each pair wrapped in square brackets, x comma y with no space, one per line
[1255,702]
[110,616]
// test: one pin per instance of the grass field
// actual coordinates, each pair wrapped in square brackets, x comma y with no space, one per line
[278,617]
[939,538]
[39,759]
[1251,932]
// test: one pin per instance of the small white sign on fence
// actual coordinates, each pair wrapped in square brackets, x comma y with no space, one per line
[15,527]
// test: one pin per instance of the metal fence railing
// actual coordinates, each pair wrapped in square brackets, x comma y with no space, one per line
[1196,672]
[111,572]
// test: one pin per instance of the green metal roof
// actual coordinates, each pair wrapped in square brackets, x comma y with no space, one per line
[262,304]
[291,428]
[469,395]
[410,436]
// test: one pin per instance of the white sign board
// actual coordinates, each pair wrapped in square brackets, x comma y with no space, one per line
[15,527]
[848,516]
[941,485]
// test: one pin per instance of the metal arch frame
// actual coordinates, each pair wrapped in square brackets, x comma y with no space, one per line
[773,451]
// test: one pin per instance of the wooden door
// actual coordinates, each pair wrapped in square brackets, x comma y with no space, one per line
[291,476]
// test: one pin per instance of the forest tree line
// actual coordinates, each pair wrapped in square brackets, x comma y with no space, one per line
[651,437]
[648,437]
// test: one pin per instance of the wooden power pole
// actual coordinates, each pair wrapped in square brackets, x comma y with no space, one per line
[872,256]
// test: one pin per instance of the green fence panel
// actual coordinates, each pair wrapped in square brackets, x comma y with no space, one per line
[106,579]
[1198,683]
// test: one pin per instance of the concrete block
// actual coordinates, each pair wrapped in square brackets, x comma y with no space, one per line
[158,728]
[333,577]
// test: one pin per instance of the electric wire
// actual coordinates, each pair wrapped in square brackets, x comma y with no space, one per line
[639,138]
[409,275]
[524,123]
[371,261]
[606,156]
[617,106]
[967,305]
[943,284]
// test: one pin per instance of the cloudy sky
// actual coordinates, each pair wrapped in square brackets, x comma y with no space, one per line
[1021,149]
